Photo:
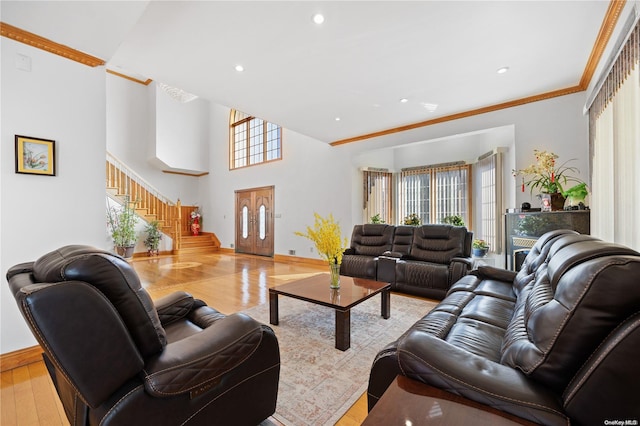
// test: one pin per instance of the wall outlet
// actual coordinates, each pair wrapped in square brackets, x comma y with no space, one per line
[310,249]
[231,245]
[292,252]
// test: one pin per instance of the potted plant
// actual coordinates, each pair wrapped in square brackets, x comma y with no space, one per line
[413,219]
[376,218]
[122,223]
[153,238]
[479,248]
[546,177]
[455,220]
[576,196]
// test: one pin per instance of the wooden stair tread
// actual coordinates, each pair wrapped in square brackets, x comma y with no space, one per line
[202,243]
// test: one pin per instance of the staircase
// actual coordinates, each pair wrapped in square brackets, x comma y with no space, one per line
[172,217]
[204,242]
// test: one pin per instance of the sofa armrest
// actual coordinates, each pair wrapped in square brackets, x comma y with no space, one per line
[491,272]
[386,271]
[173,307]
[459,267]
[200,360]
[431,360]
[392,254]
[349,251]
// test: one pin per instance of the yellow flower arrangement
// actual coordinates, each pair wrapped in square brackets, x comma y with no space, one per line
[327,236]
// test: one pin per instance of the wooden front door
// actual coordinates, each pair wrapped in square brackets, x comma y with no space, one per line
[254,221]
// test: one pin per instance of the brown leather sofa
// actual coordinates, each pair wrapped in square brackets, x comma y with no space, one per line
[420,260]
[115,358]
[557,343]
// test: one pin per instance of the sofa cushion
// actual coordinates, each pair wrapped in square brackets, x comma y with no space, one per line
[438,243]
[371,239]
[359,266]
[402,239]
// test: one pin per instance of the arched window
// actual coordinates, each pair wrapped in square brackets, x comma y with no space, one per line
[252,140]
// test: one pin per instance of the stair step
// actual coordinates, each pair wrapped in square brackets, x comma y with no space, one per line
[203,243]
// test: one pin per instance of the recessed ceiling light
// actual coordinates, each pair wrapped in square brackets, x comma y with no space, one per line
[429,107]
[239,68]
[404,100]
[337,118]
[502,70]
[318,18]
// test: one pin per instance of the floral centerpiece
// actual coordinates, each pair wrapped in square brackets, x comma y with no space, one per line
[547,177]
[196,217]
[329,242]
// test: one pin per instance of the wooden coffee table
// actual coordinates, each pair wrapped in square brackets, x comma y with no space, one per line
[315,289]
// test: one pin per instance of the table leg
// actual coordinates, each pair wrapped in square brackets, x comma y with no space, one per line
[273,308]
[385,310]
[343,329]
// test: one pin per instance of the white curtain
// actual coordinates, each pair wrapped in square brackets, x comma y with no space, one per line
[378,196]
[615,188]
[488,190]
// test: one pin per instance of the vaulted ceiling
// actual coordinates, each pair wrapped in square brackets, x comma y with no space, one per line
[371,66]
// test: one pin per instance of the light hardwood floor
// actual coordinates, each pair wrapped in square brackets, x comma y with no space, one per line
[228,282]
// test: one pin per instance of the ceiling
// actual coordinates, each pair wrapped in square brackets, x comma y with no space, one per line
[356,66]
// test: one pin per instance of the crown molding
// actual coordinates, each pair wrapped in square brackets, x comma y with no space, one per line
[460,115]
[45,44]
[606,29]
[135,80]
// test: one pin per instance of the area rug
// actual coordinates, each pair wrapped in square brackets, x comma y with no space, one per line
[319,383]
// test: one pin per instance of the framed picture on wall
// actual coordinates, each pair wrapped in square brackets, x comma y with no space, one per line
[35,156]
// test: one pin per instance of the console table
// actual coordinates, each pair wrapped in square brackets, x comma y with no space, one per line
[522,230]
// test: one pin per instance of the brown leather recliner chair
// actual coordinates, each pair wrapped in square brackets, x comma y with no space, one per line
[115,358]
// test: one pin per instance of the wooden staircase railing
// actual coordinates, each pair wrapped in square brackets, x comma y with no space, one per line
[150,203]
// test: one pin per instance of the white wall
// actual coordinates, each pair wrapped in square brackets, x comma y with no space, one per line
[182,132]
[65,101]
[309,178]
[131,137]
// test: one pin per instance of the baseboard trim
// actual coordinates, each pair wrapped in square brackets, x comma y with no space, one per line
[297,259]
[20,358]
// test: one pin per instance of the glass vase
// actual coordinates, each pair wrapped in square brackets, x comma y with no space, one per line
[334,270]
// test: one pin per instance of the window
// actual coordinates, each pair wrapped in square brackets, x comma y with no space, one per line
[434,192]
[377,195]
[489,178]
[253,140]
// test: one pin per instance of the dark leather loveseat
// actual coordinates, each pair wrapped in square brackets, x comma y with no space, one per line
[557,343]
[420,260]
[115,358]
